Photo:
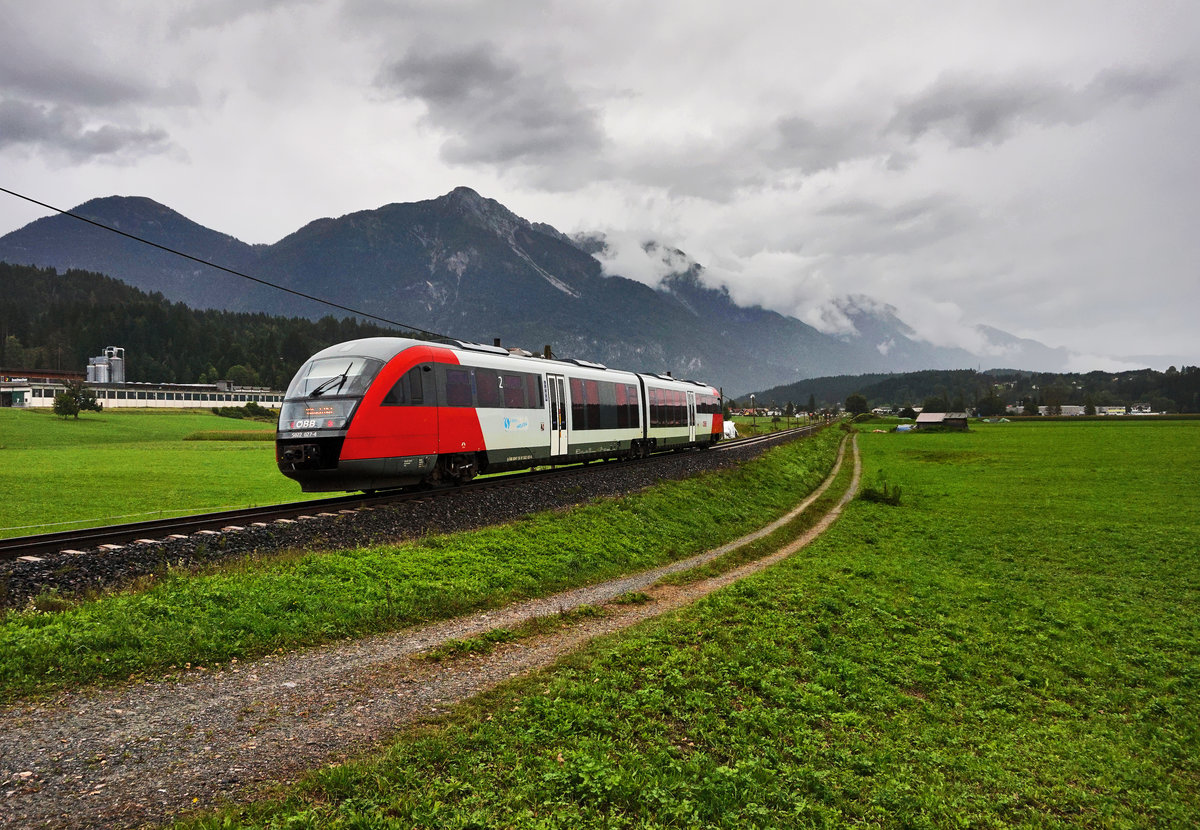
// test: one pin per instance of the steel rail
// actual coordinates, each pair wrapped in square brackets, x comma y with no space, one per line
[91,538]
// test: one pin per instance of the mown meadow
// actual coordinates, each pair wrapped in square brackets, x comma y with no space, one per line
[126,466]
[1015,643]
[253,607]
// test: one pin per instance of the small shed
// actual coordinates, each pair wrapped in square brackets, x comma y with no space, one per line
[944,420]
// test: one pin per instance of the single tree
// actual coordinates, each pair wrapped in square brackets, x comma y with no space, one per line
[65,406]
[991,405]
[75,398]
[935,404]
[856,404]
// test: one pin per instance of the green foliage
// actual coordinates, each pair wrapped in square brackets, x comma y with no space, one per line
[856,404]
[75,398]
[880,490]
[928,667]
[251,411]
[773,541]
[632,598]
[937,403]
[65,406]
[126,465]
[255,607]
[1176,390]
[991,405]
[482,644]
[56,321]
[230,435]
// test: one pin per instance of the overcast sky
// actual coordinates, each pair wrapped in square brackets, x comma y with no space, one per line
[1034,166]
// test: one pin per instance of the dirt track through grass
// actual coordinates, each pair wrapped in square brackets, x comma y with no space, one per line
[124,757]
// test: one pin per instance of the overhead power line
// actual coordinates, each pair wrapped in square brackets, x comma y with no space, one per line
[267,283]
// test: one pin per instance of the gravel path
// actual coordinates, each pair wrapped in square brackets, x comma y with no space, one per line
[147,752]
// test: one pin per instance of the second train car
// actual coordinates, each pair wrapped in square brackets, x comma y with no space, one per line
[387,412]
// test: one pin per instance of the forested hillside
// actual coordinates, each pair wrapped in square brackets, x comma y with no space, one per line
[56,321]
[1175,390]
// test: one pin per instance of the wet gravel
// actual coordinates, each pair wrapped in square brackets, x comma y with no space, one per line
[73,574]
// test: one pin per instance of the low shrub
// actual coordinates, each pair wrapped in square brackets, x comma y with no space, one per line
[881,491]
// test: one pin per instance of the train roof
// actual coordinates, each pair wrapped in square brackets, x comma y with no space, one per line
[385,348]
[380,348]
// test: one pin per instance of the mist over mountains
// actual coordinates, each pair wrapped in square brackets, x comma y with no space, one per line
[467,267]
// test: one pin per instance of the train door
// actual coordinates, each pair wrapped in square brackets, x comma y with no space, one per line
[691,404]
[558,414]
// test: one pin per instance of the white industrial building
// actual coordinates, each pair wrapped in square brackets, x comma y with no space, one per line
[106,378]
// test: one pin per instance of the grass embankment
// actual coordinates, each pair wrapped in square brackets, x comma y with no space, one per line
[779,537]
[255,607]
[126,466]
[1016,643]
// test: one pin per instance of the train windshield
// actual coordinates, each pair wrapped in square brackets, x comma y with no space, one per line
[334,377]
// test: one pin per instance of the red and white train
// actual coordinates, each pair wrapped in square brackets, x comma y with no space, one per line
[389,412]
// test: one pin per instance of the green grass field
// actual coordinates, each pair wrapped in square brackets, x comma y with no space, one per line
[132,465]
[125,466]
[1017,643]
[249,608]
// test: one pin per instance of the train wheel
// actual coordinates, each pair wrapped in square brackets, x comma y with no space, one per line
[459,468]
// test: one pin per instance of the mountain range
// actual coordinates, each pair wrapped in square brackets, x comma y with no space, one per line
[467,267]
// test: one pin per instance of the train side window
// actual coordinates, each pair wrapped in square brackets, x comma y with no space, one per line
[487,389]
[622,406]
[578,405]
[631,395]
[514,391]
[592,390]
[458,387]
[398,394]
[609,418]
[533,387]
[408,391]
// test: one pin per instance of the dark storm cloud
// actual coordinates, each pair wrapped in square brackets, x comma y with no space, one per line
[61,130]
[31,72]
[495,111]
[718,168]
[804,144]
[871,228]
[973,111]
[1137,86]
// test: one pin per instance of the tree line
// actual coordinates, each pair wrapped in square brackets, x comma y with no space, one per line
[992,391]
[53,321]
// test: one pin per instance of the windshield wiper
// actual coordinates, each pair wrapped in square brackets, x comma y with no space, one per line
[338,379]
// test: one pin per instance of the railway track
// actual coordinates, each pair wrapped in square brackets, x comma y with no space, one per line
[113,537]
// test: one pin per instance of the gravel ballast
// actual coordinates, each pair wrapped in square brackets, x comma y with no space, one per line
[442,512]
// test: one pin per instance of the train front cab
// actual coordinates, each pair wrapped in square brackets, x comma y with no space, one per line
[378,427]
[431,414]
